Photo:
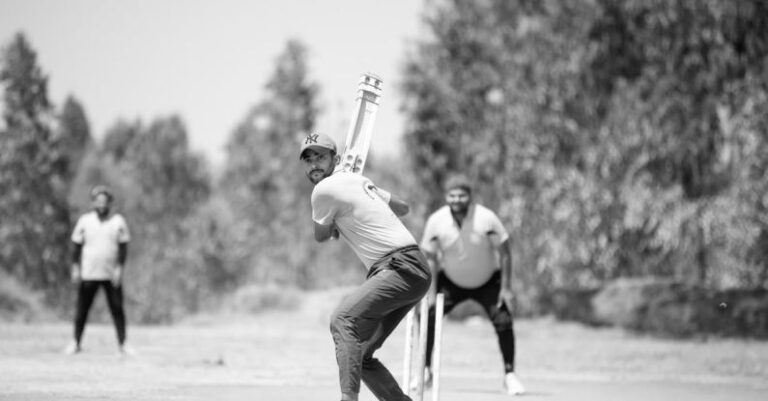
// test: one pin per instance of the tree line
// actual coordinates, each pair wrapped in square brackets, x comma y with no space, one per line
[196,237]
[617,138]
[614,139]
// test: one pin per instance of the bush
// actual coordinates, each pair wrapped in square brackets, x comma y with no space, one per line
[623,302]
[20,303]
[666,307]
[570,304]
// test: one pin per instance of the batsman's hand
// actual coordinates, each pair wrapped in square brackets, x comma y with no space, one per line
[74,273]
[117,276]
[334,233]
[506,298]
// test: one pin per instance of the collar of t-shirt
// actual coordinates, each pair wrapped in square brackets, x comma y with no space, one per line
[460,222]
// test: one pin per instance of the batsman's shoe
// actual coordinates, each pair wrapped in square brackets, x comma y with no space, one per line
[72,348]
[512,385]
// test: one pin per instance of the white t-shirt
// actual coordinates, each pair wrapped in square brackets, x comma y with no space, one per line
[468,252]
[100,240]
[361,212]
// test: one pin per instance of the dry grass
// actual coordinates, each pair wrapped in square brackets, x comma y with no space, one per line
[289,352]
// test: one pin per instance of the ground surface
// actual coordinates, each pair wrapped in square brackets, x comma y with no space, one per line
[289,357]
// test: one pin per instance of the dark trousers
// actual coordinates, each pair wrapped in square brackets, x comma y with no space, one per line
[367,316]
[85,295]
[486,295]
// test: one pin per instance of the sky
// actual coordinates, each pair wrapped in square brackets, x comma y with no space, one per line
[208,61]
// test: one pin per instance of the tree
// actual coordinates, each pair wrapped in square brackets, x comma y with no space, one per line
[674,77]
[494,92]
[264,183]
[33,207]
[616,138]
[74,136]
[163,189]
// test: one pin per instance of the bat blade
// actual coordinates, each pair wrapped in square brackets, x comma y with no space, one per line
[360,133]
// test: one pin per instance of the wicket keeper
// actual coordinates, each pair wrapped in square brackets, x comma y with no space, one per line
[350,206]
[468,251]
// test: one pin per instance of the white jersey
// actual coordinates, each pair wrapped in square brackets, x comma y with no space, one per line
[468,252]
[100,240]
[361,213]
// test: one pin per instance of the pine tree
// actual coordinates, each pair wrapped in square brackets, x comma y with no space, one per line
[33,206]
[264,180]
[74,136]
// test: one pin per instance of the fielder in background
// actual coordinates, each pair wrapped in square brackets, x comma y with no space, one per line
[468,251]
[100,242]
[349,205]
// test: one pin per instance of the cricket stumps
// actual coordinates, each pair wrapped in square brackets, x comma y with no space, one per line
[415,355]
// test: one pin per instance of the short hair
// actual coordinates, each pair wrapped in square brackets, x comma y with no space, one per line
[460,181]
[102,189]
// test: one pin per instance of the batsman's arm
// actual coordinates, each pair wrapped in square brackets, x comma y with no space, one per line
[325,232]
[398,205]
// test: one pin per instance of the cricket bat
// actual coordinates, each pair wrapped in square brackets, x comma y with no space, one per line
[361,125]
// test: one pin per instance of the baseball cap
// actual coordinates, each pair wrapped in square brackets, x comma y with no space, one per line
[317,140]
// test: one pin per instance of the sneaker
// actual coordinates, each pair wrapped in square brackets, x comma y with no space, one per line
[512,385]
[127,350]
[72,348]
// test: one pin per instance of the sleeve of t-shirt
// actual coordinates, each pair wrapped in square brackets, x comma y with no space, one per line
[123,235]
[383,194]
[78,234]
[430,232]
[324,205]
[497,227]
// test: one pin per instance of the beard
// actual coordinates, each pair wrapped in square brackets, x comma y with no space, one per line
[317,175]
[102,211]
[460,208]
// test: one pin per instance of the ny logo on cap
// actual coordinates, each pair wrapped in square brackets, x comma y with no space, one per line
[311,138]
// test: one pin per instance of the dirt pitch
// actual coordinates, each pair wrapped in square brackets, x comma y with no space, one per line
[289,356]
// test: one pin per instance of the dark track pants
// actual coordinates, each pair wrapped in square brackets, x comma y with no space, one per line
[367,316]
[85,295]
[486,295]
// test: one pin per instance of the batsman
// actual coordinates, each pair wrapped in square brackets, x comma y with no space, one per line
[347,205]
